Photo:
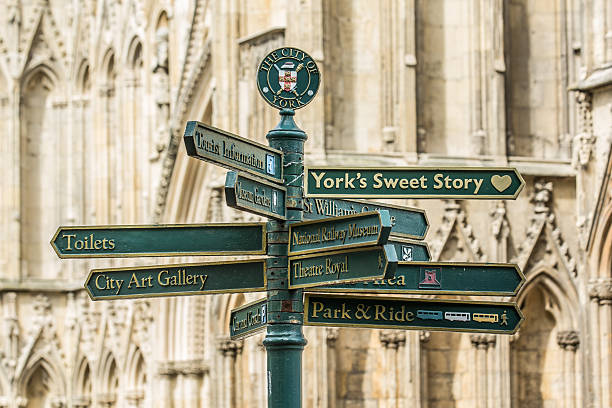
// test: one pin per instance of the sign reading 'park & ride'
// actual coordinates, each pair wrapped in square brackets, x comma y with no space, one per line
[248,319]
[288,78]
[413,182]
[377,262]
[406,222]
[255,196]
[172,280]
[442,278]
[214,145]
[119,241]
[400,313]
[349,231]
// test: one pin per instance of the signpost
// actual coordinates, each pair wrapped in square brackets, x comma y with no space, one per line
[172,280]
[401,313]
[349,231]
[214,145]
[442,278]
[255,196]
[406,222]
[119,241]
[248,319]
[340,248]
[413,182]
[378,262]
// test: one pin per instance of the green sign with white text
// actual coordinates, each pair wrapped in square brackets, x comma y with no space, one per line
[248,319]
[442,278]
[120,241]
[346,265]
[217,146]
[249,194]
[418,314]
[172,280]
[413,182]
[406,221]
[350,231]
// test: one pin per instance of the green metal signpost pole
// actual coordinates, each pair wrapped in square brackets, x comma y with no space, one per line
[285,340]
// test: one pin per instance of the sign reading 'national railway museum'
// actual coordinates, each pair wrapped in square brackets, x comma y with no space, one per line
[371,228]
[406,222]
[231,151]
[413,182]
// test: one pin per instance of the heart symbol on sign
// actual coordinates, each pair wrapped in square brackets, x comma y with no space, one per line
[501,182]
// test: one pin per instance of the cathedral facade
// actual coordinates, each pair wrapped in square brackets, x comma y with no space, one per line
[109,86]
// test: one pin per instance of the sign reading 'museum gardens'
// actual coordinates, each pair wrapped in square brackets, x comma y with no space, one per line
[349,246]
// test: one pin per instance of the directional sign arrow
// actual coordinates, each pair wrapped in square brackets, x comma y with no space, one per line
[121,241]
[349,231]
[418,314]
[408,250]
[345,265]
[413,182]
[172,280]
[225,149]
[442,278]
[248,319]
[406,221]
[249,194]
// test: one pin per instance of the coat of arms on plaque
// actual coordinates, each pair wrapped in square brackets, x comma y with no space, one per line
[288,78]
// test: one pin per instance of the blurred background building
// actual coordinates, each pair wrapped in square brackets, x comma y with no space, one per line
[94,96]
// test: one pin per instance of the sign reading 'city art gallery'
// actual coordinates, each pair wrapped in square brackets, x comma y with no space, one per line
[214,145]
[247,193]
[442,278]
[350,231]
[248,319]
[172,280]
[406,222]
[400,313]
[159,240]
[357,264]
[413,182]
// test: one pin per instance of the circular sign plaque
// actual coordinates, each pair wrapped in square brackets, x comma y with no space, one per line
[288,78]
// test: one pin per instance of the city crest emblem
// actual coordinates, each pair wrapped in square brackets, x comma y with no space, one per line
[288,78]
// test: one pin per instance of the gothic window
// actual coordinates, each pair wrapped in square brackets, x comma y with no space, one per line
[42,149]
[535,90]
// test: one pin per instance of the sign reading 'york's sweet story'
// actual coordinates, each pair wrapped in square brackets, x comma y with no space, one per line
[413,182]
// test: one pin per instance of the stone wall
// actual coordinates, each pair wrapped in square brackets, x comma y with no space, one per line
[94,97]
